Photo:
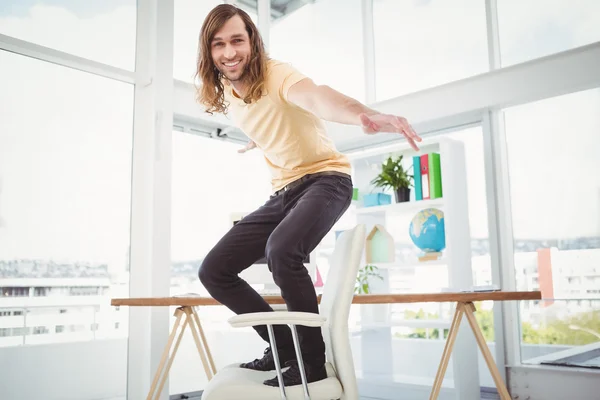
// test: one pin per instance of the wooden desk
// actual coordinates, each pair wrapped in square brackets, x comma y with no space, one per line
[464,307]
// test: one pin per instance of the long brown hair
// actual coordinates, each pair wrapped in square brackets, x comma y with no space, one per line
[211,91]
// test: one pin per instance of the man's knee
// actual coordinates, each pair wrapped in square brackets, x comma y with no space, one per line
[276,252]
[209,271]
[282,258]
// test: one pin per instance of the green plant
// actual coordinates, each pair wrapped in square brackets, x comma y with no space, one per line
[393,175]
[362,280]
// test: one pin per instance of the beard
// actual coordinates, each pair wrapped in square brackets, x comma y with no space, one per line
[236,75]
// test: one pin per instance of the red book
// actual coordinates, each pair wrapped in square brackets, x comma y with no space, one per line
[425,175]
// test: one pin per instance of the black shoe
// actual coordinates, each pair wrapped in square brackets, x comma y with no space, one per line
[267,362]
[292,377]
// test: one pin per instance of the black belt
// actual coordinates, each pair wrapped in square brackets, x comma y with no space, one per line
[306,177]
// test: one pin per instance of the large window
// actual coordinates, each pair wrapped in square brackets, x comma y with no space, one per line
[211,182]
[536,28]
[421,44]
[103,31]
[555,200]
[65,172]
[324,40]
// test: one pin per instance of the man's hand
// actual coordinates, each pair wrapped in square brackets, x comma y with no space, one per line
[331,105]
[248,147]
[389,123]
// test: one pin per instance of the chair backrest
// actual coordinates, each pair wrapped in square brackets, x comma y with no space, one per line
[335,305]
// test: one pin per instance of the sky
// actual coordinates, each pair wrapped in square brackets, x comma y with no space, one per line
[66,136]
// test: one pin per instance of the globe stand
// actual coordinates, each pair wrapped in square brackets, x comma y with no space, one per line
[430,256]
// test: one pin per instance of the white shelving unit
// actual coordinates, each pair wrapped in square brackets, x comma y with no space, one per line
[452,271]
[412,264]
[454,202]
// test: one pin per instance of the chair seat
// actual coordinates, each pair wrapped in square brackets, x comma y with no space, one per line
[233,382]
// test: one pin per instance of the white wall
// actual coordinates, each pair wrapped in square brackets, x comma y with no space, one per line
[65,371]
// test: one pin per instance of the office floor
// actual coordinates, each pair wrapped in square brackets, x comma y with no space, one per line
[408,394]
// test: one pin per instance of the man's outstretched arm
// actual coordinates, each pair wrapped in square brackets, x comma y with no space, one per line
[331,105]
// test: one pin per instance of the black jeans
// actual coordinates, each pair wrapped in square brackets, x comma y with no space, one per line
[285,230]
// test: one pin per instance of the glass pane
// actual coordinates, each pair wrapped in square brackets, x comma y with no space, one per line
[65,172]
[555,204]
[211,181]
[561,332]
[537,28]
[324,41]
[188,19]
[421,44]
[76,27]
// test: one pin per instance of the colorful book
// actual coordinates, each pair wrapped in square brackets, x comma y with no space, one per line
[425,176]
[417,178]
[435,176]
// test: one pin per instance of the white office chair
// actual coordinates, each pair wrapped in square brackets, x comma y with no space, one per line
[233,382]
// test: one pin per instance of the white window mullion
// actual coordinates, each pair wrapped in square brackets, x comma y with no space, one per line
[493,36]
[43,53]
[264,21]
[504,272]
[369,50]
[151,193]
[490,129]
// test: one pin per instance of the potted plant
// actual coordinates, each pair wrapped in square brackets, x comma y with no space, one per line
[394,176]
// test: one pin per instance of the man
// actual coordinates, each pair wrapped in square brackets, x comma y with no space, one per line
[281,111]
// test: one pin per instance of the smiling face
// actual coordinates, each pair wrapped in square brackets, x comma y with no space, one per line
[231,49]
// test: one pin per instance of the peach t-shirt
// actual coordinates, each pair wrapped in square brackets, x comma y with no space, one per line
[294,141]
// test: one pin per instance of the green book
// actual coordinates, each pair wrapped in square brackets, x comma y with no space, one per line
[435,176]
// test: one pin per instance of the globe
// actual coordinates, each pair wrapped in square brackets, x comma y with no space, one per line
[427,230]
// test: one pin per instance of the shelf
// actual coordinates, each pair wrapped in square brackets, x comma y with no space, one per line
[411,264]
[397,208]
[406,323]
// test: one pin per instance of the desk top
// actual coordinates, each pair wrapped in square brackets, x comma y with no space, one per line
[358,299]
